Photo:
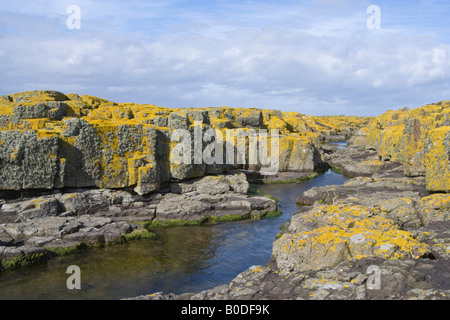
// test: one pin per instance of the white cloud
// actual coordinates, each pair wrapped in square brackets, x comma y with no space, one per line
[284,58]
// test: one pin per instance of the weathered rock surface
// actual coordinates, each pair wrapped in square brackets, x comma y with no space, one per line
[359,138]
[330,234]
[358,189]
[69,161]
[437,159]
[392,217]
[418,139]
[380,214]
[351,280]
[51,140]
[359,161]
[381,235]
[59,222]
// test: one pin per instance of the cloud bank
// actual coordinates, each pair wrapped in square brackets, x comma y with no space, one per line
[313,57]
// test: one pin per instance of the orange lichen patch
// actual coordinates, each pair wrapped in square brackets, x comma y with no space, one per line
[42,125]
[371,164]
[38,124]
[257,269]
[338,123]
[348,217]
[296,122]
[436,202]
[376,163]
[76,108]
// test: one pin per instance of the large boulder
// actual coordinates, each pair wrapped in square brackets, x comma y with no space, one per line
[29,161]
[417,139]
[330,234]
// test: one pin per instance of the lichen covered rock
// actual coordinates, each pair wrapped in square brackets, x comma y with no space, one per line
[418,139]
[53,140]
[28,161]
[437,159]
[434,208]
[330,234]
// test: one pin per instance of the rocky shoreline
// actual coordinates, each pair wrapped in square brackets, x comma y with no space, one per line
[36,228]
[381,223]
[81,171]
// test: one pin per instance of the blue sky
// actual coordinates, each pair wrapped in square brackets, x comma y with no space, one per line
[315,57]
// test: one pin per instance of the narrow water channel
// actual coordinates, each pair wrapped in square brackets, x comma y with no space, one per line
[181,259]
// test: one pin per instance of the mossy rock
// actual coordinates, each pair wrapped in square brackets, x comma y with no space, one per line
[62,251]
[169,223]
[137,234]
[23,260]
[270,214]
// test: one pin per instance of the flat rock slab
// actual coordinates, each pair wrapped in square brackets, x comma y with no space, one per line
[357,161]
[352,280]
[281,177]
[365,189]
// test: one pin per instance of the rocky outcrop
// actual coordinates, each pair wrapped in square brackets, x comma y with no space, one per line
[381,235]
[355,161]
[77,171]
[53,140]
[327,235]
[381,213]
[436,155]
[353,280]
[376,248]
[388,218]
[390,194]
[418,139]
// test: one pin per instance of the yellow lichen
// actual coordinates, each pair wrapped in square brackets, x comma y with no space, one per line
[346,232]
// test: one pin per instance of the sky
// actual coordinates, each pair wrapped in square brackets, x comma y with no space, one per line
[316,57]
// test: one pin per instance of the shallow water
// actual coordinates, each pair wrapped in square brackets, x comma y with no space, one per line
[181,259]
[337,145]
